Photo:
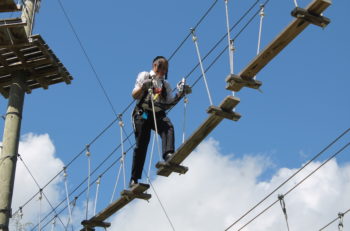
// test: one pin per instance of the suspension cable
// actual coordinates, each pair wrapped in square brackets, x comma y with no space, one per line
[87,57]
[195,27]
[295,3]
[88,154]
[195,40]
[289,178]
[116,181]
[284,210]
[337,218]
[53,224]
[300,182]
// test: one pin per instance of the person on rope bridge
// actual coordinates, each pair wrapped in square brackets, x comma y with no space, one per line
[154,95]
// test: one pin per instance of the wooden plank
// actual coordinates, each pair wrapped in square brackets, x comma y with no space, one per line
[197,137]
[9,6]
[225,114]
[278,44]
[137,191]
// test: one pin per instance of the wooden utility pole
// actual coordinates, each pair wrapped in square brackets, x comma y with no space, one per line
[26,63]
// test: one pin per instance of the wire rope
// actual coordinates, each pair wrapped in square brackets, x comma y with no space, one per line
[284,210]
[262,14]
[65,175]
[299,183]
[289,178]
[88,154]
[230,42]
[331,222]
[87,57]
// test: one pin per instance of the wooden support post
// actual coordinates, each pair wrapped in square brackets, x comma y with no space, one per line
[8,158]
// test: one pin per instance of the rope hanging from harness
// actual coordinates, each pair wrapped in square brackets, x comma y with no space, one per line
[195,40]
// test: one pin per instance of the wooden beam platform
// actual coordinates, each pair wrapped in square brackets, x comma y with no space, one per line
[12,32]
[277,45]
[9,6]
[217,114]
[38,60]
[137,191]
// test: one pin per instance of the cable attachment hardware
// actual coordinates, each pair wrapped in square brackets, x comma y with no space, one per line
[340,225]
[88,153]
[20,213]
[262,13]
[283,206]
[65,175]
[310,17]
[194,37]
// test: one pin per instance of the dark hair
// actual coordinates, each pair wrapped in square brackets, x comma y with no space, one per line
[159,60]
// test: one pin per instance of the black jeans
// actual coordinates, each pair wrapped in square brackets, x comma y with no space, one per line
[142,131]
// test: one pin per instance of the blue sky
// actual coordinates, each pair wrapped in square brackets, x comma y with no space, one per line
[303,106]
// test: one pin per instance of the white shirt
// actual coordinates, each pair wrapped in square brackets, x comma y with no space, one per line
[157,83]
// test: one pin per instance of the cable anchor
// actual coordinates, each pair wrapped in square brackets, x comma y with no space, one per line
[340,225]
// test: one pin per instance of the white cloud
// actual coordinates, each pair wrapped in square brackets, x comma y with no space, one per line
[218,189]
[38,154]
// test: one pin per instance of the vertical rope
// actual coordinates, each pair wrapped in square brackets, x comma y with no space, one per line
[88,154]
[40,207]
[116,182]
[195,40]
[150,91]
[262,14]
[65,175]
[295,3]
[53,224]
[283,206]
[230,42]
[121,125]
[151,158]
[184,122]
[96,195]
[340,225]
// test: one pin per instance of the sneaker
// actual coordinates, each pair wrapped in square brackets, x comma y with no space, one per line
[167,156]
[132,183]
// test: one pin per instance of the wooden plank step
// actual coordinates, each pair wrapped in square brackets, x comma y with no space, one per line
[198,136]
[277,45]
[137,191]
[9,6]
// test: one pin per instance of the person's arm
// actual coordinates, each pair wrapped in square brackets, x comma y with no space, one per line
[137,92]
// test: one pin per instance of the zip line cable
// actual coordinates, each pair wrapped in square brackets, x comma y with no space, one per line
[331,222]
[87,57]
[300,182]
[289,178]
